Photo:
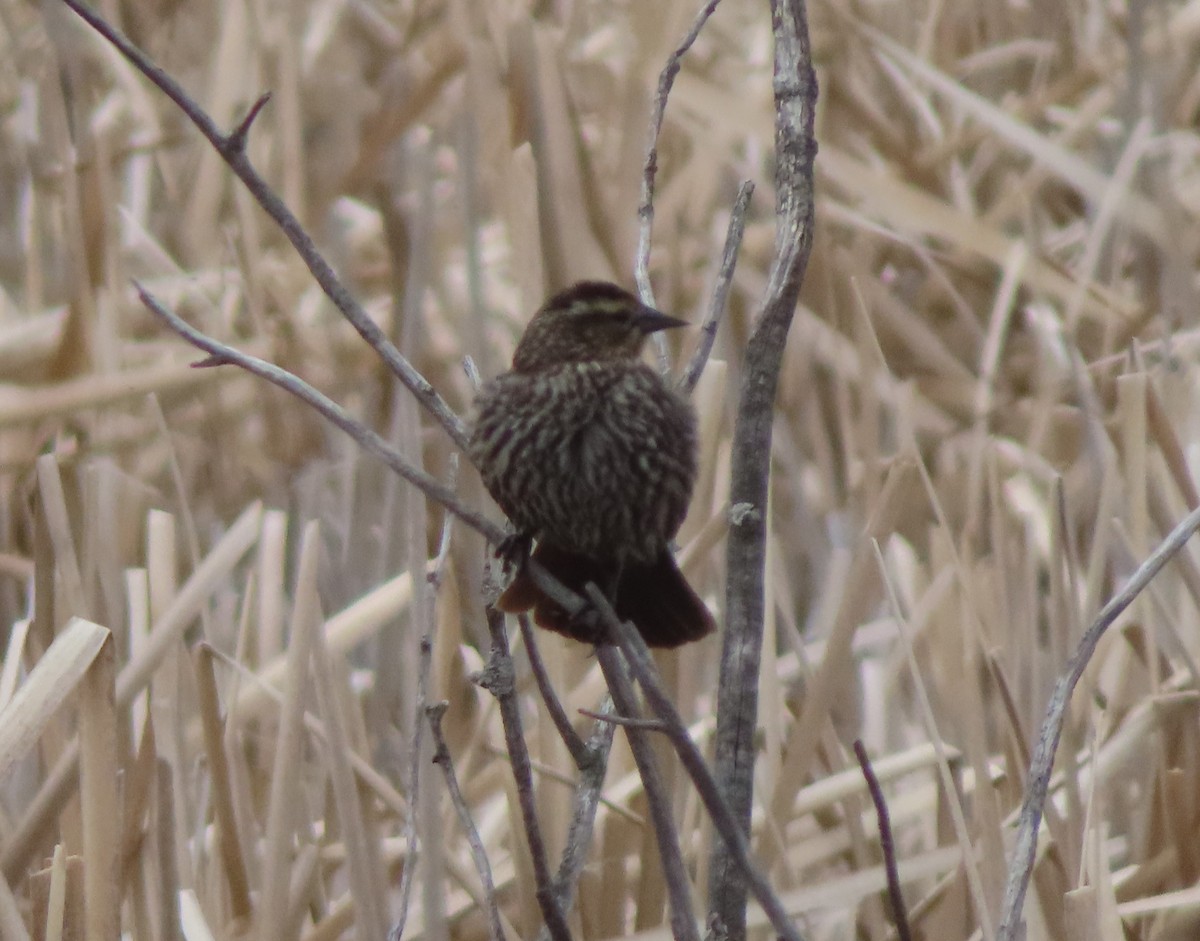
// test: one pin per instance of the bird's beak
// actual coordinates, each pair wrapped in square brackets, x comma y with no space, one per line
[650,320]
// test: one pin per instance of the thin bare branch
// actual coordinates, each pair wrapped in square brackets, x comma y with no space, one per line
[412,846]
[886,844]
[221,354]
[720,295]
[679,889]
[625,722]
[441,757]
[637,654]
[558,715]
[1037,785]
[583,816]
[498,679]
[666,79]
[232,148]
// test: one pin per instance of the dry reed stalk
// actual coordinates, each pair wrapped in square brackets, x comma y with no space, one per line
[228,842]
[282,808]
[365,875]
[166,853]
[98,781]
[56,676]
[1001,284]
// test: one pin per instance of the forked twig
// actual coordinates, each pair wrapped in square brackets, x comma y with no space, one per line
[679,889]
[221,354]
[637,654]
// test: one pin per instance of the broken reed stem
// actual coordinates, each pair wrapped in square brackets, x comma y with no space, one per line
[98,771]
[281,801]
[364,869]
[60,783]
[228,844]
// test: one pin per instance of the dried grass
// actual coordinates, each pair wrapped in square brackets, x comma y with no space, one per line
[994,371]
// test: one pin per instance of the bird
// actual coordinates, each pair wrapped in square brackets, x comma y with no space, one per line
[592,456]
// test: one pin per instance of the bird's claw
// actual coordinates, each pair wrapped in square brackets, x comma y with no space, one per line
[514,549]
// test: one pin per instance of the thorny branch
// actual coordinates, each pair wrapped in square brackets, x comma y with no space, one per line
[741,653]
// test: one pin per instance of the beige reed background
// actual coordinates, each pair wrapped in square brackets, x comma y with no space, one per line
[996,358]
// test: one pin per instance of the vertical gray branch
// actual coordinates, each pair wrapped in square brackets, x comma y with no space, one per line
[683,920]
[737,698]
[497,678]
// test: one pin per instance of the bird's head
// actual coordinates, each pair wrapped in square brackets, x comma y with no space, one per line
[589,321]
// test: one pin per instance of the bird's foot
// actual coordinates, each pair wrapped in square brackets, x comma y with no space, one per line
[514,549]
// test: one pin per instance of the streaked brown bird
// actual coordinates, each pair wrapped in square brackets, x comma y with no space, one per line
[593,455]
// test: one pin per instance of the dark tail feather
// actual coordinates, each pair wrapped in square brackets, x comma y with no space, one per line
[656,598]
[661,604]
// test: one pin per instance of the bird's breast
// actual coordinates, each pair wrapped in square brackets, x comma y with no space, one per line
[598,458]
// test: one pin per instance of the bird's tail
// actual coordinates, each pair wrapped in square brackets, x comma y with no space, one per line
[656,597]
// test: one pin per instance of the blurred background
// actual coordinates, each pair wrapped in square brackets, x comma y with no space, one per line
[992,371]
